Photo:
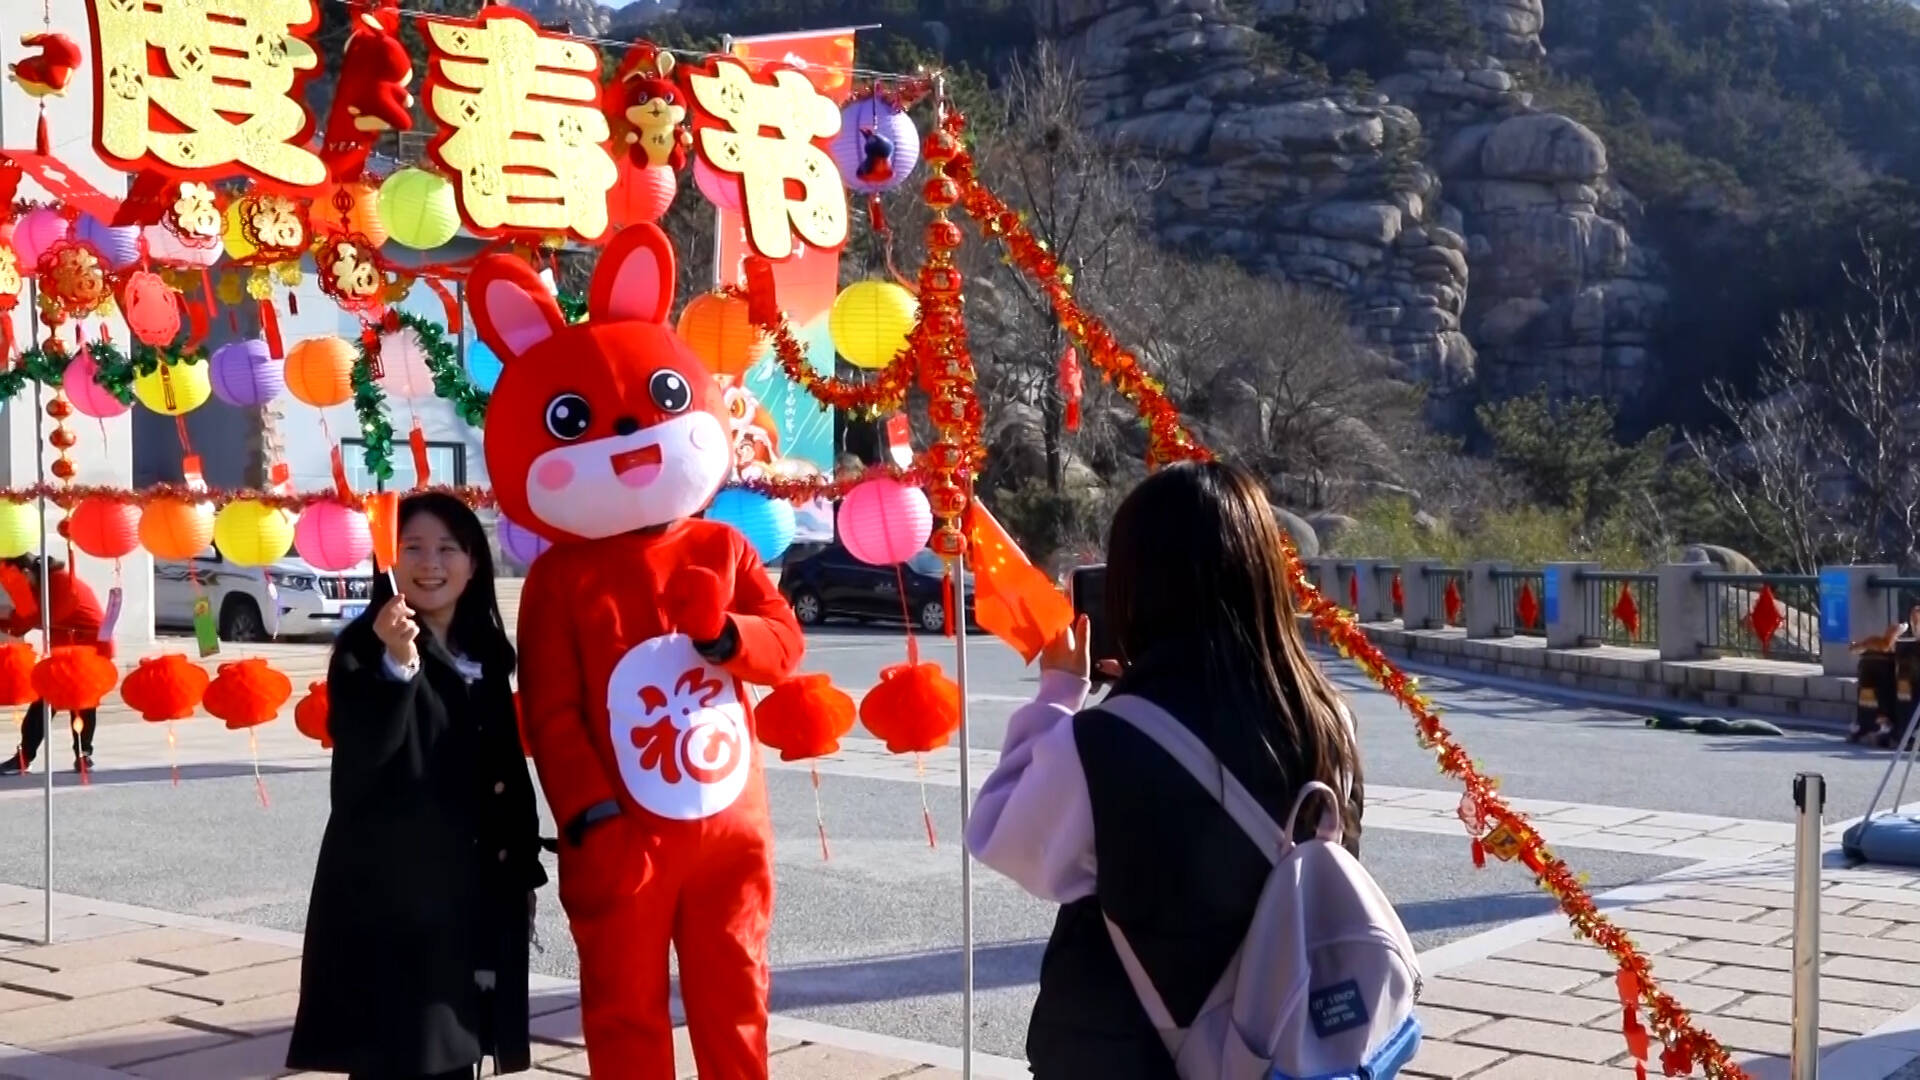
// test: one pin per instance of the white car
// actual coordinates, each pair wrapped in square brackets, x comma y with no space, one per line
[289,599]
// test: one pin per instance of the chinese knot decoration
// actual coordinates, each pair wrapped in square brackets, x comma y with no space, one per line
[946,365]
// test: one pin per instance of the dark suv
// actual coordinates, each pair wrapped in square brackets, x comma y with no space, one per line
[831,583]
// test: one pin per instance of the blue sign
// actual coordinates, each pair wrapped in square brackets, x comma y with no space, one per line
[1550,586]
[1835,612]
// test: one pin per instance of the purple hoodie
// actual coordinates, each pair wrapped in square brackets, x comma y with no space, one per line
[1033,821]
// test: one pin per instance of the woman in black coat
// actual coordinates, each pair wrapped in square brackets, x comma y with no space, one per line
[417,934]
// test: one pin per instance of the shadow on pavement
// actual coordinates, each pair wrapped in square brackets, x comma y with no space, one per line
[65,778]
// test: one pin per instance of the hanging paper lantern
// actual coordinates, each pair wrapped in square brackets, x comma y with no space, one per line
[483,367]
[883,521]
[767,523]
[117,245]
[332,537]
[36,231]
[718,330]
[176,530]
[74,678]
[641,195]
[522,545]
[17,659]
[19,528]
[105,528]
[419,209]
[914,710]
[233,236]
[804,717]
[247,693]
[80,383]
[174,389]
[870,322]
[877,147]
[244,373]
[320,371]
[310,716]
[249,533]
[167,687]
[403,364]
[166,247]
[361,213]
[151,308]
[720,189]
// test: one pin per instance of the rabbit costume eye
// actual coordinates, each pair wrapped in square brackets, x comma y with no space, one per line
[568,417]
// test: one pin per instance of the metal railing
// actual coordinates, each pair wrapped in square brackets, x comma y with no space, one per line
[1438,609]
[1521,598]
[1620,608]
[1776,616]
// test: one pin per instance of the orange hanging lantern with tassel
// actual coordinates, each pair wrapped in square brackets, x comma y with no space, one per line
[247,693]
[16,674]
[310,716]
[165,687]
[804,717]
[915,709]
[74,678]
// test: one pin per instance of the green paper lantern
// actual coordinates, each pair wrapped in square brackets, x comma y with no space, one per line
[419,209]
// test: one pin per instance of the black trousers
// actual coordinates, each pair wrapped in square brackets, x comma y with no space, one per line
[457,1074]
[34,729]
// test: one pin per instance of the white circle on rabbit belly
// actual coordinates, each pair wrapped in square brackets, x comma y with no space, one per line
[709,729]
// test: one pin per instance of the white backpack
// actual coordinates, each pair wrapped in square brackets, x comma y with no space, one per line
[1324,984]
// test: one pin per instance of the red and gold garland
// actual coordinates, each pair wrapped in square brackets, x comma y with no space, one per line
[885,393]
[946,362]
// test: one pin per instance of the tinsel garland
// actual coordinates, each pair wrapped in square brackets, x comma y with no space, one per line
[370,407]
[886,393]
[114,372]
[451,382]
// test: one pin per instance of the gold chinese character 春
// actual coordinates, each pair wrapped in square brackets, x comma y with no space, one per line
[195,88]
[733,113]
[521,127]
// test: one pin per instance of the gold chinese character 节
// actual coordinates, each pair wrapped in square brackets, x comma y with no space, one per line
[520,125]
[190,90]
[733,111]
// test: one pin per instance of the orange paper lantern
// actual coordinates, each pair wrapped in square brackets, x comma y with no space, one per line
[247,693]
[16,673]
[74,678]
[165,687]
[804,717]
[721,335]
[361,214]
[105,529]
[310,716]
[320,371]
[176,530]
[914,710]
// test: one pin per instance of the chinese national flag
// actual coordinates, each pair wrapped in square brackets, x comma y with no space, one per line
[383,518]
[1013,600]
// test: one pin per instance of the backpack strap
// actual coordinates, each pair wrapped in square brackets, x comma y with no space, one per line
[1181,744]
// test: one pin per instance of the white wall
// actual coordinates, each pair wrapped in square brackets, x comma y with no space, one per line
[103,457]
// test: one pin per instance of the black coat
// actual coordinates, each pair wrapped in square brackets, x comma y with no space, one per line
[1176,873]
[430,852]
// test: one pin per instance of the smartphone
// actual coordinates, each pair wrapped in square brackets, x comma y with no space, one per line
[1087,587]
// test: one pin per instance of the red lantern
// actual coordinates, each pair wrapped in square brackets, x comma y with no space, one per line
[804,717]
[247,693]
[915,709]
[104,528]
[310,716]
[74,678]
[165,687]
[16,673]
[152,308]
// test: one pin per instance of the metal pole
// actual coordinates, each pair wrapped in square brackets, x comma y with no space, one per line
[720,280]
[959,618]
[1810,799]
[46,627]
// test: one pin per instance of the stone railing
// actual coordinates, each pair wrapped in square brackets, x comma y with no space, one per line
[1775,643]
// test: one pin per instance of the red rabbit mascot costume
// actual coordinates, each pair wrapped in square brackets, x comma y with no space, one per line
[638,630]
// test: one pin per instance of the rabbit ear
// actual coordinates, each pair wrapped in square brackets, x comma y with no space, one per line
[634,281]
[512,310]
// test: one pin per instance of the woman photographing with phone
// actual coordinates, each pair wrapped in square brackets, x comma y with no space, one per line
[417,934]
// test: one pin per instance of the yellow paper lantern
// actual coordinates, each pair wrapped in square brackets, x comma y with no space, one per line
[174,389]
[716,327]
[233,238]
[419,209]
[252,534]
[320,371]
[870,322]
[19,529]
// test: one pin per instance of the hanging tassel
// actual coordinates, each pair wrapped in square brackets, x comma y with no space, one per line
[173,754]
[340,486]
[876,214]
[293,303]
[270,329]
[819,818]
[926,812]
[946,601]
[86,770]
[1072,385]
[417,440]
[233,320]
[259,783]
[42,142]
[447,301]
[763,301]
[1479,854]
[6,338]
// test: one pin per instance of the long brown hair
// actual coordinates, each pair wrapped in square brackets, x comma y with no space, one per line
[1195,559]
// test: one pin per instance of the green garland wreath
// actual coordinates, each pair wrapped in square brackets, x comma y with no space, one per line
[114,372]
[370,406]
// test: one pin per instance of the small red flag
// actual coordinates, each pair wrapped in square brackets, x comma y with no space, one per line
[1013,601]
[383,517]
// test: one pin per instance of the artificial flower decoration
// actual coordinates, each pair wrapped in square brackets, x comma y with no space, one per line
[247,693]
[804,717]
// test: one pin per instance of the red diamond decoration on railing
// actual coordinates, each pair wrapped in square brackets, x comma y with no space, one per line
[1525,607]
[1399,595]
[1451,598]
[1626,611]
[1766,617]
[1353,592]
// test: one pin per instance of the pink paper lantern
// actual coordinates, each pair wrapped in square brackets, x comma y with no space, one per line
[720,189]
[883,521]
[403,364]
[332,537]
[87,395]
[36,231]
[165,246]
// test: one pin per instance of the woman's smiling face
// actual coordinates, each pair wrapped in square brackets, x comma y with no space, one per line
[432,569]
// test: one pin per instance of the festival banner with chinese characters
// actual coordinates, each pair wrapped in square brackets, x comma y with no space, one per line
[806,282]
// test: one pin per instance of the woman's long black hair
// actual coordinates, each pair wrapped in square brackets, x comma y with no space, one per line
[478,631]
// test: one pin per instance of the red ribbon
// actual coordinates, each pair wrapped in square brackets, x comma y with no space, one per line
[270,329]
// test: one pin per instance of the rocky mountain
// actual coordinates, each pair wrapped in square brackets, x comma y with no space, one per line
[594,19]
[1479,239]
